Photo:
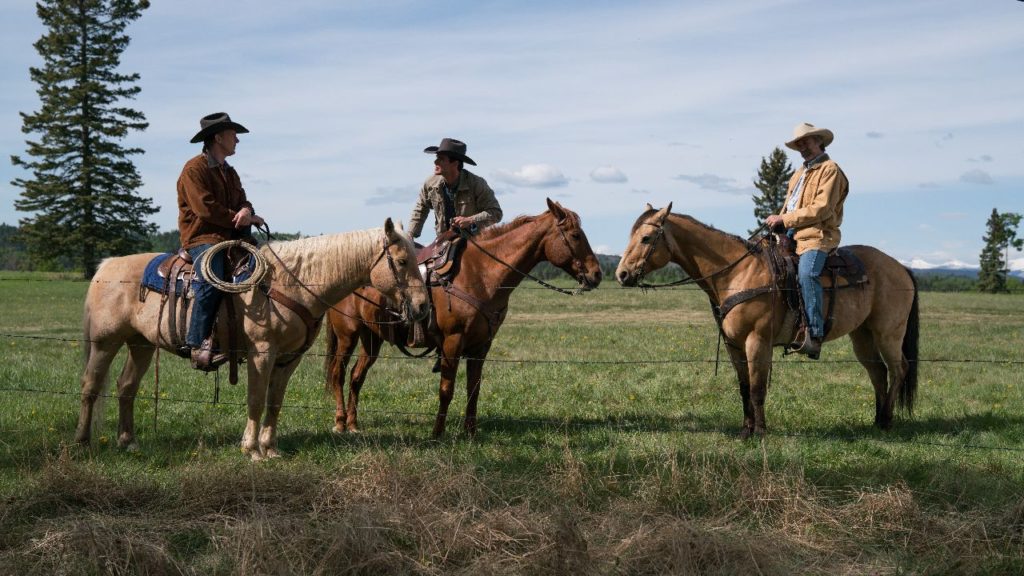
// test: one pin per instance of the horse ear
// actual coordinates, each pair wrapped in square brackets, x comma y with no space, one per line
[649,207]
[663,213]
[389,229]
[556,209]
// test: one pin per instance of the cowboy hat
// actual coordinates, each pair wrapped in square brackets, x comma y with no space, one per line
[805,129]
[452,147]
[213,123]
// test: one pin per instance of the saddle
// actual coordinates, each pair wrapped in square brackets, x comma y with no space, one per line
[440,259]
[171,275]
[842,270]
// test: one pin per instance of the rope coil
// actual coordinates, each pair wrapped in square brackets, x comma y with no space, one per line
[258,274]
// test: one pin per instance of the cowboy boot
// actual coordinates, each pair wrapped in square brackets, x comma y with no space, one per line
[811,347]
[203,358]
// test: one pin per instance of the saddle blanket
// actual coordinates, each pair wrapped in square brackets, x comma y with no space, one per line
[152,279]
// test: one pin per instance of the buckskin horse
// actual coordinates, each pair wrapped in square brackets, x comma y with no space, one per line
[312,273]
[469,311]
[880,316]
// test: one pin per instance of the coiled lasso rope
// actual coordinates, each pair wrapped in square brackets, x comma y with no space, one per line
[258,274]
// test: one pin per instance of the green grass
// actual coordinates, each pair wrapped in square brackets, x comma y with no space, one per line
[607,445]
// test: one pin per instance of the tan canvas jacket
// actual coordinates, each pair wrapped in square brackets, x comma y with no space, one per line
[208,199]
[473,198]
[819,212]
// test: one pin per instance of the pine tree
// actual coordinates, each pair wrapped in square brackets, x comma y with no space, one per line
[1002,234]
[772,181]
[83,186]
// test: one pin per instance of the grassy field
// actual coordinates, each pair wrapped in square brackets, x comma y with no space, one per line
[607,445]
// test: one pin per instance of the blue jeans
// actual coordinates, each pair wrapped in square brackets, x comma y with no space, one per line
[205,297]
[812,263]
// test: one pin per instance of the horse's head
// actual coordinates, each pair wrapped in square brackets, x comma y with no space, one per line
[396,275]
[566,246]
[648,247]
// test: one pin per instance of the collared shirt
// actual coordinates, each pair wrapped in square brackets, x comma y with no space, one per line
[795,198]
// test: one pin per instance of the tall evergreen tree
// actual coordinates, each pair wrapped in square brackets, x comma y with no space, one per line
[1002,234]
[83,186]
[772,181]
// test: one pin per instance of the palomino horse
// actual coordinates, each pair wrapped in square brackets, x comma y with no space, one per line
[880,316]
[312,272]
[469,312]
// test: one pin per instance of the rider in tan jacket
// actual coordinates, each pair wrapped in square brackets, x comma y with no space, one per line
[811,215]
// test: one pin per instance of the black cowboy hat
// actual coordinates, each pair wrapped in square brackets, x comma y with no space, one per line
[452,147]
[213,123]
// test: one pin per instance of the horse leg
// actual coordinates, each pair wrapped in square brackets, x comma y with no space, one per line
[279,377]
[367,357]
[94,380]
[891,348]
[140,354]
[474,376]
[451,351]
[260,365]
[867,353]
[759,365]
[739,363]
[337,364]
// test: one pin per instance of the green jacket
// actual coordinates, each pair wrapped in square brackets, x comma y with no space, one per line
[473,198]
[819,212]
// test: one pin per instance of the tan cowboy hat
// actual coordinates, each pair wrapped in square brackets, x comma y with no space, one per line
[805,129]
[452,147]
[213,123]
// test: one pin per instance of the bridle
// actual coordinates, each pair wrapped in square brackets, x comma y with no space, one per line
[659,234]
[406,312]
[577,262]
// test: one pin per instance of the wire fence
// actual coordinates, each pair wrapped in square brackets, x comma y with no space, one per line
[638,423]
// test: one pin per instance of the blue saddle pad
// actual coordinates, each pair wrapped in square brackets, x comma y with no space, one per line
[156,282]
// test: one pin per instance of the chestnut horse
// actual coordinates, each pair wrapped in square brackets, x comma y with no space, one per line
[881,316]
[468,313]
[313,272]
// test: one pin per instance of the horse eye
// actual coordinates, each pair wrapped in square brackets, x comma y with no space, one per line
[402,262]
[576,235]
[645,240]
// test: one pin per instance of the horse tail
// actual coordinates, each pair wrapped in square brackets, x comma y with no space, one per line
[910,341]
[330,356]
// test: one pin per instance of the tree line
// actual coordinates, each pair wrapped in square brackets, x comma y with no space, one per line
[81,191]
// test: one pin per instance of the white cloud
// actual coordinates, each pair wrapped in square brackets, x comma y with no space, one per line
[715,183]
[976,176]
[608,174]
[533,176]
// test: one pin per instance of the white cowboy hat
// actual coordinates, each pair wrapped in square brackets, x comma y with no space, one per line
[806,129]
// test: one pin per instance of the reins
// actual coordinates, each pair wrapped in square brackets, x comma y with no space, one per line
[266,230]
[576,292]
[660,234]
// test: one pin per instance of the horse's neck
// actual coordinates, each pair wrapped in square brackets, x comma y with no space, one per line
[703,252]
[520,248]
[330,269]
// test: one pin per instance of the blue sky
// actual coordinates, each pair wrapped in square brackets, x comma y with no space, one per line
[603,106]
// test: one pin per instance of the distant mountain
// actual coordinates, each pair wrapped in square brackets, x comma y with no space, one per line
[958,268]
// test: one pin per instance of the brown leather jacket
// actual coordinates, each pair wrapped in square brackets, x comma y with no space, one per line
[208,198]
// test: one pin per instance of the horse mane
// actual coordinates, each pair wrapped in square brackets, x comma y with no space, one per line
[500,229]
[648,213]
[318,258]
